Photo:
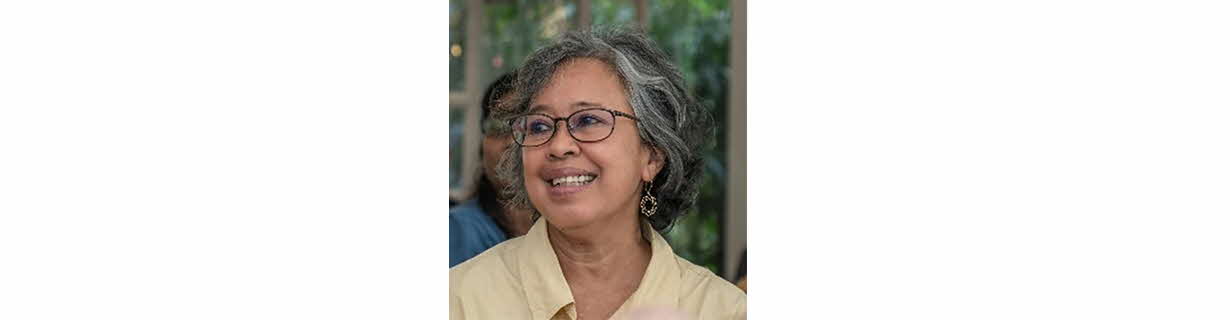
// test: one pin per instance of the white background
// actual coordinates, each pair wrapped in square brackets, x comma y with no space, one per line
[222,160]
[989,160]
[954,160]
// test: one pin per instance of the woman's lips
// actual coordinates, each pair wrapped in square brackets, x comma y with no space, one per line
[565,189]
[576,179]
[563,181]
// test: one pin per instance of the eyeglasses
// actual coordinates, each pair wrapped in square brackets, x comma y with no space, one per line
[587,125]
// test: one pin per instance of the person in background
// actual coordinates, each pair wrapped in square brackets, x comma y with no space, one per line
[608,156]
[485,220]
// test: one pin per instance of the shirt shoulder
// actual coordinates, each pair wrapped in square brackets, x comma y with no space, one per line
[709,295]
[498,264]
[488,286]
[470,232]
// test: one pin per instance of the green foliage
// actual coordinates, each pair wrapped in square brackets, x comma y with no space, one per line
[613,12]
[514,29]
[696,33]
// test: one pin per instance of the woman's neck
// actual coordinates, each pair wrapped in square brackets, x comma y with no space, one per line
[602,262]
[602,252]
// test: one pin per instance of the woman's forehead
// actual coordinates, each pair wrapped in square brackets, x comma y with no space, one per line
[579,84]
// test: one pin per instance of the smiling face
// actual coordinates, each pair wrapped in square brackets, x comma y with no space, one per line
[573,183]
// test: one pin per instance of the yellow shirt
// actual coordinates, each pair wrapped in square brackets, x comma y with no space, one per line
[521,279]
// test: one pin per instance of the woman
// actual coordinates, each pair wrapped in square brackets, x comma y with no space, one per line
[484,221]
[623,166]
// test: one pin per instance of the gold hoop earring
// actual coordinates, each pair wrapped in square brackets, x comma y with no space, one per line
[649,203]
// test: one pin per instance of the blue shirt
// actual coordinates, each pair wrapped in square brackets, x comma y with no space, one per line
[470,232]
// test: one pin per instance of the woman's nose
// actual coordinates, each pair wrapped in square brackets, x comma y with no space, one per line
[561,143]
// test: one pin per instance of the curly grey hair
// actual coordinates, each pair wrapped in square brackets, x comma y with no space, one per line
[671,120]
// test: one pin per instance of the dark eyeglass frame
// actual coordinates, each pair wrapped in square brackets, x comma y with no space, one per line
[555,120]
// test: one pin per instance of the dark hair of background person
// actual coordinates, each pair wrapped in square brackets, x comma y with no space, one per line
[488,196]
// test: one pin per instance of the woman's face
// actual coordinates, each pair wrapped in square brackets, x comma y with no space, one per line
[617,165]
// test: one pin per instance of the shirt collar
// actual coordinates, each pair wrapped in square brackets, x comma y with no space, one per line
[547,291]
[661,282]
[541,277]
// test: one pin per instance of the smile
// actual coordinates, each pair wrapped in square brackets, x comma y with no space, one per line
[578,180]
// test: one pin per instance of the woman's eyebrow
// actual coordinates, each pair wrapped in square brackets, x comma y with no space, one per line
[581,104]
[537,108]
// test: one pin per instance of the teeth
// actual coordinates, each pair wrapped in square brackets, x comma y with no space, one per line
[572,180]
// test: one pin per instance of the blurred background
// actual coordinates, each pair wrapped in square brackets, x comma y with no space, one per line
[706,39]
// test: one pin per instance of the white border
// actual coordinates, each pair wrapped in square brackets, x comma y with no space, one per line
[989,160]
[221,160]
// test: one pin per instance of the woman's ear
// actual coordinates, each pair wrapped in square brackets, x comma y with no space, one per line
[656,160]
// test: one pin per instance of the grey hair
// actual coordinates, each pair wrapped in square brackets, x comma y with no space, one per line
[672,121]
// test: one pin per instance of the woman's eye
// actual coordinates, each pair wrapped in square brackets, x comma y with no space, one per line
[539,127]
[586,120]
